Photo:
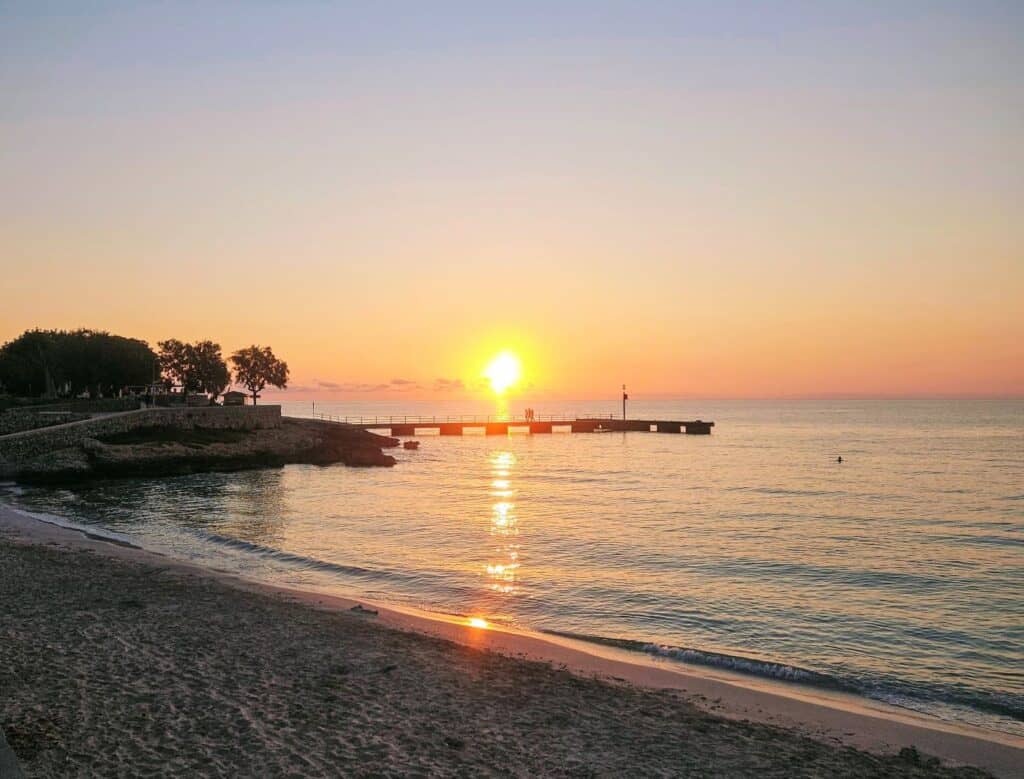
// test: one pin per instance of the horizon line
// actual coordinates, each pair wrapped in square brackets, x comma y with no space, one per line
[675,396]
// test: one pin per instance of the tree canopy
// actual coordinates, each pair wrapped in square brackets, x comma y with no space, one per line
[68,363]
[197,367]
[51,363]
[256,367]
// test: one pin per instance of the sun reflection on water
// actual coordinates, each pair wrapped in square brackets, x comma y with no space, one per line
[502,571]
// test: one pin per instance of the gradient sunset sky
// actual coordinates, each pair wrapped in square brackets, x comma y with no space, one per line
[700,199]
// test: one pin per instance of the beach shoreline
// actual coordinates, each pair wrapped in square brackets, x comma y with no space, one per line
[834,718]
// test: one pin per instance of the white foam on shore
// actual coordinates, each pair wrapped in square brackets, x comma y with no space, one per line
[748,665]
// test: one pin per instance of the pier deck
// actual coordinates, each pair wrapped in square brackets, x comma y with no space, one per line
[492,425]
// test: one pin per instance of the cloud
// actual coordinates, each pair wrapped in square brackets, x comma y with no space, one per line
[352,386]
[447,385]
[404,385]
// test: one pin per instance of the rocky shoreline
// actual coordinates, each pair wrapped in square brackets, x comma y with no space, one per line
[172,451]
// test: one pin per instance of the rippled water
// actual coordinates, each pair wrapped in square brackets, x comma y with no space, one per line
[898,573]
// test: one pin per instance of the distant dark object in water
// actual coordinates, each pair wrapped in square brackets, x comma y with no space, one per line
[411,445]
[839,459]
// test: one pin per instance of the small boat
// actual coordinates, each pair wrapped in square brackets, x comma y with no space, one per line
[411,445]
[600,429]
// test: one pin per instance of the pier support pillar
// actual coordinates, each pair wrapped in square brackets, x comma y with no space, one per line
[699,428]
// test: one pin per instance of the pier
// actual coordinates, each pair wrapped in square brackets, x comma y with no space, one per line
[503,425]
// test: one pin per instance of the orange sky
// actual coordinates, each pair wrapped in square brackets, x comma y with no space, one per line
[704,205]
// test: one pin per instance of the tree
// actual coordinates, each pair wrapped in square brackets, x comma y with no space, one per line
[48,362]
[175,365]
[211,371]
[256,367]
[103,364]
[197,367]
[28,363]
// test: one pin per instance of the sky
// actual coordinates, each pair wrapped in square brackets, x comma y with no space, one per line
[718,199]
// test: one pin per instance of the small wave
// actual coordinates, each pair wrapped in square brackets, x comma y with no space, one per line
[985,540]
[747,665]
[304,561]
[1007,707]
[789,492]
[89,531]
[931,699]
[738,663]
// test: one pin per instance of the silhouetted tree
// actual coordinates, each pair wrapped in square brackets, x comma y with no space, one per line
[175,367]
[103,364]
[211,369]
[197,367]
[45,362]
[28,362]
[256,367]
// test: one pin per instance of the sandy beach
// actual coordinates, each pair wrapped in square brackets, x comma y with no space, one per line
[118,661]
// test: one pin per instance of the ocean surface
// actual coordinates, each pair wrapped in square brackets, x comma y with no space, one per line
[897,574]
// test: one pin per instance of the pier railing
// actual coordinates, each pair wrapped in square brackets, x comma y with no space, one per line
[412,419]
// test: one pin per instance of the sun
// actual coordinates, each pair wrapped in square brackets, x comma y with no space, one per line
[503,372]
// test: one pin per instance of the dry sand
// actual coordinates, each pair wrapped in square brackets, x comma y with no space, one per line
[119,662]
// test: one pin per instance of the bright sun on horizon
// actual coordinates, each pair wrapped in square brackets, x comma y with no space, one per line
[503,372]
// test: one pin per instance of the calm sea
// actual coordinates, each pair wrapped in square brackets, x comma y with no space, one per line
[898,574]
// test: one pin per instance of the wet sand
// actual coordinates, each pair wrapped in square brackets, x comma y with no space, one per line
[116,661]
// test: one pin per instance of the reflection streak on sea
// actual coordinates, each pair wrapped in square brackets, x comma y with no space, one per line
[502,570]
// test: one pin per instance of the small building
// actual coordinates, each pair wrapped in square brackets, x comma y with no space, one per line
[234,398]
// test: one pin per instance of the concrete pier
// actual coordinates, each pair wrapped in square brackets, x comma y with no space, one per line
[405,426]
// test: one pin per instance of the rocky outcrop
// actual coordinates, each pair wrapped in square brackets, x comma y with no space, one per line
[172,451]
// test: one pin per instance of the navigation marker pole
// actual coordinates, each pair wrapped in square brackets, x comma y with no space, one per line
[625,397]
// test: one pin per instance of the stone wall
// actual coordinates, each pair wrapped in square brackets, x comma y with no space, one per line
[16,420]
[19,446]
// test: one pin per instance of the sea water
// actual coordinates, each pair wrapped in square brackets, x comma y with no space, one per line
[897,574]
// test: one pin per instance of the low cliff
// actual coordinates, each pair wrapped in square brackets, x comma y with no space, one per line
[172,450]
